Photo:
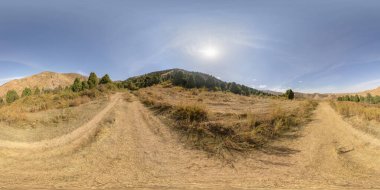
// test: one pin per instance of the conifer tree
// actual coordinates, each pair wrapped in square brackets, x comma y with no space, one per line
[105,79]
[289,94]
[77,85]
[85,85]
[93,80]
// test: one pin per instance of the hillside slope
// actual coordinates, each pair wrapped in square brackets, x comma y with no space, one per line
[189,79]
[373,92]
[47,80]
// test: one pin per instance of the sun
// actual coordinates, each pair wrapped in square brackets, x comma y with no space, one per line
[210,52]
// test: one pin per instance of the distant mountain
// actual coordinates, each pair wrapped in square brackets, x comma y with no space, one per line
[189,79]
[46,80]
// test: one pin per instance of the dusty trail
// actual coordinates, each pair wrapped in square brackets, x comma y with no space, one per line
[130,147]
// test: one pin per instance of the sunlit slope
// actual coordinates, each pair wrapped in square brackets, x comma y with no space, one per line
[46,80]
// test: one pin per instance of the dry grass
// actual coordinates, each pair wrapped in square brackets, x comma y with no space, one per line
[363,116]
[17,112]
[365,111]
[223,122]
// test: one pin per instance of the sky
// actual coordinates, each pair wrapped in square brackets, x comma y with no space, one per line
[307,45]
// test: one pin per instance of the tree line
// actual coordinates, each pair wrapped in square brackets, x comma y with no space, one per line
[356,98]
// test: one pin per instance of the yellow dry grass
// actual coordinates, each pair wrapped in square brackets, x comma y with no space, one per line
[18,111]
[219,121]
[363,116]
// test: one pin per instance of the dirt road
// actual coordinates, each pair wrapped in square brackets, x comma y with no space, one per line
[127,146]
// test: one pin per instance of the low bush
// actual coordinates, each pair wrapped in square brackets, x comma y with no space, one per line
[11,96]
[190,113]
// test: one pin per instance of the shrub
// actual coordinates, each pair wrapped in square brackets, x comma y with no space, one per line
[12,96]
[190,113]
[1,101]
[26,92]
[289,94]
[105,79]
[90,93]
[93,80]
[107,87]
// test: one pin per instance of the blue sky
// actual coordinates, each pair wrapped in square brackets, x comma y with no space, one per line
[310,46]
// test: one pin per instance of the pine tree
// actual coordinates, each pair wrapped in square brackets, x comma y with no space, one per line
[289,94]
[210,83]
[199,81]
[85,85]
[93,80]
[190,82]
[179,78]
[105,79]
[234,88]
[77,85]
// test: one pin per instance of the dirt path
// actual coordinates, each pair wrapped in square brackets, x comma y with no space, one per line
[132,148]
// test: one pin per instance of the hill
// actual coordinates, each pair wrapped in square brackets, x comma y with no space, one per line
[374,92]
[189,79]
[46,80]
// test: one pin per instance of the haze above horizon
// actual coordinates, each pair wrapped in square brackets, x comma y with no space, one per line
[309,46]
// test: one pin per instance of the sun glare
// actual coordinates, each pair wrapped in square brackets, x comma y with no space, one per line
[210,52]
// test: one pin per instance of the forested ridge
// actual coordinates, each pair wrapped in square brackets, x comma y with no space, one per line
[188,79]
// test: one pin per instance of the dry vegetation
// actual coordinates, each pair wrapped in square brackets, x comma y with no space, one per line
[219,122]
[47,80]
[363,116]
[50,114]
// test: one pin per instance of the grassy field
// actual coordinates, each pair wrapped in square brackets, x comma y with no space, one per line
[49,115]
[363,116]
[221,122]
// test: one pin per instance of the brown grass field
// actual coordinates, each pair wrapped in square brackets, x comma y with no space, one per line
[219,122]
[165,137]
[363,116]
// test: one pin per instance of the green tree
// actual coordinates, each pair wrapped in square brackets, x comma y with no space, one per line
[26,92]
[11,96]
[234,88]
[179,78]
[93,80]
[77,85]
[190,82]
[356,98]
[85,85]
[199,81]
[106,79]
[289,94]
[369,98]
